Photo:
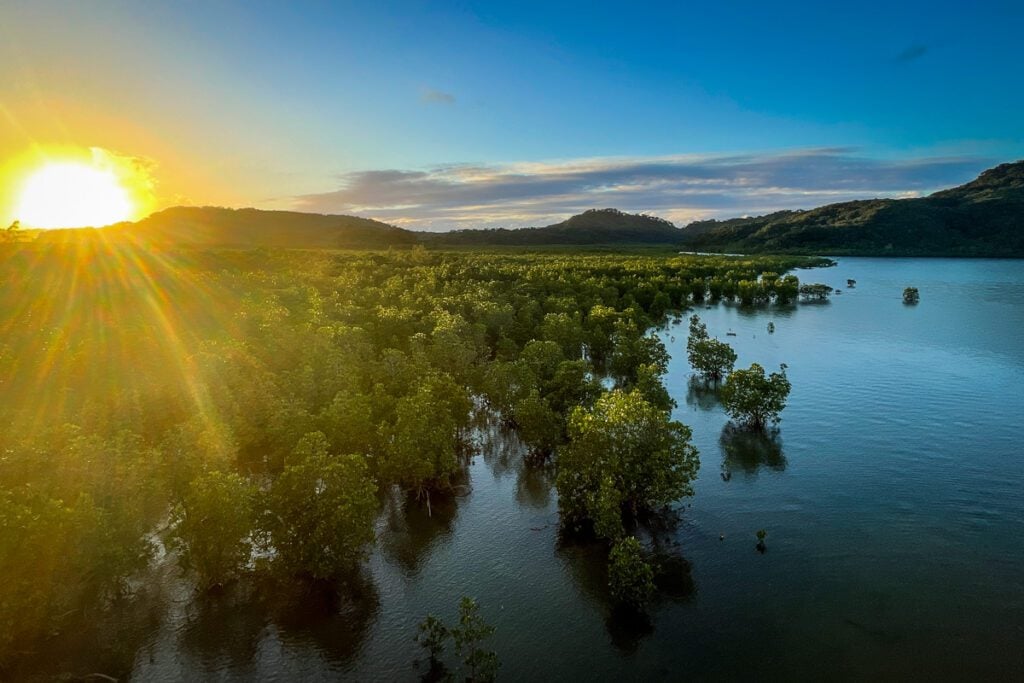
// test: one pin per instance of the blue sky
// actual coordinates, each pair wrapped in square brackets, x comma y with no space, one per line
[520,113]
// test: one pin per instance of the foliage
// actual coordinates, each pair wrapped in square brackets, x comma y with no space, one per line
[979,218]
[422,445]
[213,526]
[631,349]
[630,576]
[540,427]
[320,511]
[754,399]
[140,381]
[468,637]
[911,295]
[624,455]
[815,292]
[711,358]
[596,226]
[432,637]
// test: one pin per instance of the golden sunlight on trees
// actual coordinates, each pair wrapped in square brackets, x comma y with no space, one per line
[244,405]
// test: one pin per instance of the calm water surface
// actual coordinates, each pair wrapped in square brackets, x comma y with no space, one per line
[892,497]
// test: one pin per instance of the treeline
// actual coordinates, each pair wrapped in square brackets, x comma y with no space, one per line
[593,227]
[210,226]
[980,218]
[248,409]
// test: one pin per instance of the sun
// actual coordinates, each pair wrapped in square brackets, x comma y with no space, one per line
[73,195]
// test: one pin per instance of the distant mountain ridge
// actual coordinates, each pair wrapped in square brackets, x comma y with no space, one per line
[208,226]
[984,217]
[595,226]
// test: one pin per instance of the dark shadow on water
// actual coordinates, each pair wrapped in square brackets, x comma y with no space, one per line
[412,530]
[627,628]
[223,631]
[702,395]
[749,451]
[587,560]
[673,578]
[500,447]
[534,486]
[505,454]
[334,618]
[100,640]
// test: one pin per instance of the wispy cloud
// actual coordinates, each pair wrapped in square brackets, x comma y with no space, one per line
[432,96]
[912,53]
[681,188]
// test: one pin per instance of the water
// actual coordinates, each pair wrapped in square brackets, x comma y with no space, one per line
[891,496]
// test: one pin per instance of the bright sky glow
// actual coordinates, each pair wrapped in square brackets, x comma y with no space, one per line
[71,195]
[339,107]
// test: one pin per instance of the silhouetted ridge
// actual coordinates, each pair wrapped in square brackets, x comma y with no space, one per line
[215,226]
[595,226]
[984,217]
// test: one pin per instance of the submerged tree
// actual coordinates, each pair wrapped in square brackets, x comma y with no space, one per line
[624,455]
[911,295]
[815,292]
[432,636]
[713,359]
[754,399]
[469,636]
[479,664]
[422,446]
[630,576]
[321,511]
[213,527]
[761,535]
[632,349]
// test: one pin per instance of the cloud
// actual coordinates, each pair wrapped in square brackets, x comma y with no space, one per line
[432,96]
[912,53]
[681,188]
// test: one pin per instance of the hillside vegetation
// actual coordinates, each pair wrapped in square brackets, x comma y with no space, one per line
[981,218]
[596,226]
[984,217]
[208,226]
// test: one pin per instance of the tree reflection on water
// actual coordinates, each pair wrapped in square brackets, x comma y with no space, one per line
[747,451]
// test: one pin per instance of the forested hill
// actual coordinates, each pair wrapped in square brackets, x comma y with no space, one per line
[213,226]
[596,226]
[984,217]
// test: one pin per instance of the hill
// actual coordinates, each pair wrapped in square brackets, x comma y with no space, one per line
[214,226]
[596,226]
[984,217]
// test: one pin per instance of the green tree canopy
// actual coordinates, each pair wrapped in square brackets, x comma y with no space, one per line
[321,510]
[711,358]
[754,399]
[213,526]
[630,576]
[623,455]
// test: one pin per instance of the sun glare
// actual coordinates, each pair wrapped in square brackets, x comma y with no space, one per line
[73,195]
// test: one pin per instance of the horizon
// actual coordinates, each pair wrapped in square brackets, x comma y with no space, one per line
[442,229]
[490,116]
